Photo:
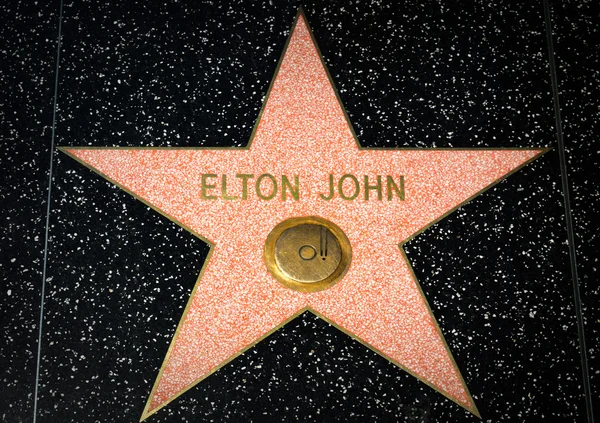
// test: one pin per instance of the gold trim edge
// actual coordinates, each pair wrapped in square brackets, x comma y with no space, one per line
[285,280]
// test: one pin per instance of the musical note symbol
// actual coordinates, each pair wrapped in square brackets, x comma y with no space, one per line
[323,242]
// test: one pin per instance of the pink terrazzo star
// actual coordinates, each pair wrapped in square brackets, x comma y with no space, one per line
[303,131]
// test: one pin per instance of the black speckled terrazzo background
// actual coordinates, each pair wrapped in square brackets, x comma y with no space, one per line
[27,63]
[193,73]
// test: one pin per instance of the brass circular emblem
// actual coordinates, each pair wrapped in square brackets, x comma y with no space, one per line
[307,254]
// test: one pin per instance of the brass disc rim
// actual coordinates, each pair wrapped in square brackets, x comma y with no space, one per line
[288,282]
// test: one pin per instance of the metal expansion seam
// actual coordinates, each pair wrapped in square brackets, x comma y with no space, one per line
[45,265]
[568,218]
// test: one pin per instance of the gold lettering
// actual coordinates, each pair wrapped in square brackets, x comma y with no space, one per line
[376,187]
[258,187]
[206,186]
[244,177]
[341,187]
[392,185]
[330,196]
[224,189]
[285,185]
